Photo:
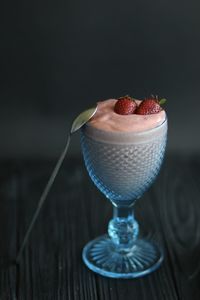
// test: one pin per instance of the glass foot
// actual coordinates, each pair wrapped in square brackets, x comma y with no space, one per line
[104,257]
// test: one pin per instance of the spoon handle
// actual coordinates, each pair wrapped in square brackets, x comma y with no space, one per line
[43,198]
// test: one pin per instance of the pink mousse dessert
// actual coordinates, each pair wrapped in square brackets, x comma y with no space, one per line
[123,152]
[107,119]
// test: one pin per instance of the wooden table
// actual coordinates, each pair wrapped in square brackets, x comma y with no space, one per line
[51,266]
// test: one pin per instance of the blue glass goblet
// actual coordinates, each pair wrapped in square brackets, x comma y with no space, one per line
[123,166]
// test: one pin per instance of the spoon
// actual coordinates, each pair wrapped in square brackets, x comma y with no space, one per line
[79,121]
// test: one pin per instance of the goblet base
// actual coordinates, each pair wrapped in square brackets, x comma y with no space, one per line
[105,258]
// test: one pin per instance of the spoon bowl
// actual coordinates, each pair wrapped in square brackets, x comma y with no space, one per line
[83,118]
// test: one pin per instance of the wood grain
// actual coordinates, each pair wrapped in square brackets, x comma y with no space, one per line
[75,212]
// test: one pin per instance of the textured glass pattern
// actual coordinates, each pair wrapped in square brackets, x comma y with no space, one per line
[123,166]
[123,171]
[102,256]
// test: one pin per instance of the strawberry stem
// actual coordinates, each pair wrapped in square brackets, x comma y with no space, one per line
[126,97]
[162,101]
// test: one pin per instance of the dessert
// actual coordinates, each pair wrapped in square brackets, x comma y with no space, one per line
[123,153]
[108,120]
[123,147]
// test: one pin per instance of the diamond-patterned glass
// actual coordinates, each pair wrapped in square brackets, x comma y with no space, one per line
[123,171]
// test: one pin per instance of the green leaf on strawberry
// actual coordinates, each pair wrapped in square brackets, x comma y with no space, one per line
[162,101]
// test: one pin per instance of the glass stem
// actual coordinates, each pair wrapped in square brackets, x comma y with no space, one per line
[123,229]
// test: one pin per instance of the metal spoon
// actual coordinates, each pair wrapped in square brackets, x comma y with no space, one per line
[82,118]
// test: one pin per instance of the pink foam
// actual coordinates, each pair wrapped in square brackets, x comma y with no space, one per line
[106,119]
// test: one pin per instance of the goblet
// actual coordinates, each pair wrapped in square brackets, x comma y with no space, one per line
[123,165]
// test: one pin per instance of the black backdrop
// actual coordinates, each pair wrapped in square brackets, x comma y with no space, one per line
[60,57]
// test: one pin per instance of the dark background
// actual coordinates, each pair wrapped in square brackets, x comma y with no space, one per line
[60,57]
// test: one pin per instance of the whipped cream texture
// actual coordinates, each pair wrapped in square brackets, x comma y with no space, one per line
[107,119]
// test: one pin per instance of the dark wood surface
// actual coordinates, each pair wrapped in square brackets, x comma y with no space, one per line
[75,212]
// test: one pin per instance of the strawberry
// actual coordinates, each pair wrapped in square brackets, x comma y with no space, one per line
[150,106]
[125,105]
